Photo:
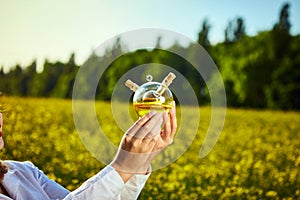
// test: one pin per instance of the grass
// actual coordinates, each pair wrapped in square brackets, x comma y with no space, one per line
[257,155]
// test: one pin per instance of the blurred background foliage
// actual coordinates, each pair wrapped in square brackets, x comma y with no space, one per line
[260,71]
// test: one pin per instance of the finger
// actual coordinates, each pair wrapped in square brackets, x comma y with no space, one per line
[167,127]
[170,126]
[173,120]
[149,126]
[156,128]
[139,123]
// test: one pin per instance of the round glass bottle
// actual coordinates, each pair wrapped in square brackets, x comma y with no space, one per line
[152,95]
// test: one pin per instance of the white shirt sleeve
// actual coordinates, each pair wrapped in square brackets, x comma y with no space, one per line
[108,184]
[134,186]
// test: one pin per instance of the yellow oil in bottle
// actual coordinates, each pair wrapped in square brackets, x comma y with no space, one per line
[148,106]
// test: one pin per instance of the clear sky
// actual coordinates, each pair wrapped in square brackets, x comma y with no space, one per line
[53,29]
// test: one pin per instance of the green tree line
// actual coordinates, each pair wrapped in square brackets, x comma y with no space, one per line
[261,71]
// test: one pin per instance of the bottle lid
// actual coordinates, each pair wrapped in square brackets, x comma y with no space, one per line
[133,86]
[169,78]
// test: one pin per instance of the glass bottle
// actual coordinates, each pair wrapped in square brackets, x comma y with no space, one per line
[152,95]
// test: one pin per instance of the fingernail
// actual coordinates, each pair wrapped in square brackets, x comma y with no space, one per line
[161,120]
[165,117]
[151,113]
[165,114]
[172,110]
[160,114]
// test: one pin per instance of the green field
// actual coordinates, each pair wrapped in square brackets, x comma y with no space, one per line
[256,157]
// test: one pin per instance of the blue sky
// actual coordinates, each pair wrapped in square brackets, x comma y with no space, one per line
[35,29]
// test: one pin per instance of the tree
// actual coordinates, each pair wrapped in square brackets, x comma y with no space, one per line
[229,36]
[27,77]
[158,46]
[235,30]
[281,35]
[117,47]
[284,22]
[64,86]
[203,34]
[240,29]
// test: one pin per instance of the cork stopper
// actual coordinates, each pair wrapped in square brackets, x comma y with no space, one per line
[168,79]
[131,85]
[165,84]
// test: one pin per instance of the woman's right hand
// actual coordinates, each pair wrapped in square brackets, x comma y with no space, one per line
[143,141]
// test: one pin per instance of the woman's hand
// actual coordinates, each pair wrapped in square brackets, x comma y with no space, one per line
[143,141]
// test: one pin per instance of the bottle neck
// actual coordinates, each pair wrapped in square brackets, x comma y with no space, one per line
[161,89]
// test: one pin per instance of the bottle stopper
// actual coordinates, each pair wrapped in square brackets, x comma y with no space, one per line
[131,85]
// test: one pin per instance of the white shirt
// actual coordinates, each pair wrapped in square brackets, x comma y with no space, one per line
[24,181]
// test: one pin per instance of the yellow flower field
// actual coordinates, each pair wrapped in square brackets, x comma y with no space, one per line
[256,157]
